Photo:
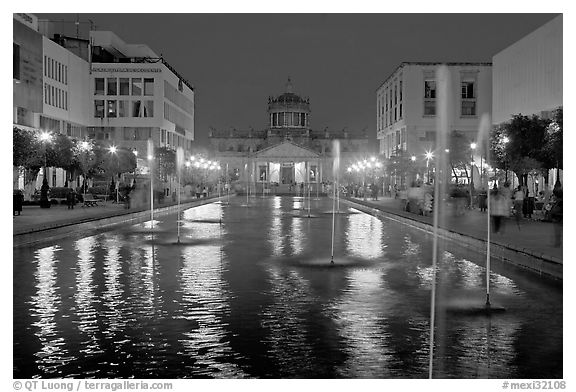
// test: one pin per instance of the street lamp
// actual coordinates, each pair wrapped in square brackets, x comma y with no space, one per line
[113,150]
[505,141]
[84,147]
[473,148]
[45,138]
[429,156]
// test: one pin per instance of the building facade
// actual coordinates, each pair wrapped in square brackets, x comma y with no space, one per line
[98,88]
[527,75]
[287,151]
[528,79]
[406,105]
[136,96]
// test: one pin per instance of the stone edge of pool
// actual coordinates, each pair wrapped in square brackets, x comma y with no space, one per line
[60,230]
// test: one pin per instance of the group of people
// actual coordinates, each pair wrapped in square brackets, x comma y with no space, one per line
[355,190]
[503,201]
[201,192]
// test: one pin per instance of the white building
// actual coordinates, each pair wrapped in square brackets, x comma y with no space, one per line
[406,105]
[136,96]
[527,79]
[101,88]
[527,75]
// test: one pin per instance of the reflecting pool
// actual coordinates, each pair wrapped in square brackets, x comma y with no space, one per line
[248,292]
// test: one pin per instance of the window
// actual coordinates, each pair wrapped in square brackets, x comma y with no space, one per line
[148,86]
[148,109]
[99,108]
[430,89]
[123,109]
[400,110]
[65,74]
[46,93]
[313,171]
[66,100]
[112,87]
[395,94]
[468,107]
[99,86]
[59,72]
[124,86]
[136,86]
[400,93]
[52,68]
[52,96]
[45,65]
[429,98]
[262,173]
[136,108]
[163,136]
[112,110]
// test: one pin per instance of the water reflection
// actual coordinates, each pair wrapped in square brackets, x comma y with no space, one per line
[45,305]
[360,316]
[296,236]
[204,304]
[286,321]
[364,236]
[87,317]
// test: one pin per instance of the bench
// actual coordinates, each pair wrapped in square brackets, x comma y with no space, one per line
[90,201]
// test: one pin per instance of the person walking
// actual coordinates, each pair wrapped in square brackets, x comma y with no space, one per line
[17,201]
[197,191]
[71,199]
[518,204]
[498,210]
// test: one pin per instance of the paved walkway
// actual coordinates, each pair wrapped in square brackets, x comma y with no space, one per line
[531,236]
[34,218]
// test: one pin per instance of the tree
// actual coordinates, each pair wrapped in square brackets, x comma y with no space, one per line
[552,150]
[27,156]
[166,162]
[521,138]
[460,155]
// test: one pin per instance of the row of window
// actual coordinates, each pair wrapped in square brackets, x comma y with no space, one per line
[396,141]
[289,119]
[55,70]
[178,98]
[55,96]
[112,108]
[178,117]
[392,111]
[172,139]
[124,86]
[390,105]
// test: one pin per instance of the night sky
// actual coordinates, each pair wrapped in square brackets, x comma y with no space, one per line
[235,61]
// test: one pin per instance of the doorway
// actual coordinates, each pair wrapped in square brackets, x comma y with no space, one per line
[287,174]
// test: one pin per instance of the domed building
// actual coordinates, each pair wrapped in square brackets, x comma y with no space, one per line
[286,152]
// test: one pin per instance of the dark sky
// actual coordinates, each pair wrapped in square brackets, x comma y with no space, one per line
[235,61]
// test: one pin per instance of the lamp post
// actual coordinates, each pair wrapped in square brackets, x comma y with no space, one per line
[45,137]
[429,156]
[113,150]
[85,147]
[505,140]
[472,148]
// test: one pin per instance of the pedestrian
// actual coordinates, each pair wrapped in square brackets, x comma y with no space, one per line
[17,201]
[374,190]
[71,199]
[518,204]
[301,189]
[197,191]
[482,196]
[205,192]
[556,213]
[498,210]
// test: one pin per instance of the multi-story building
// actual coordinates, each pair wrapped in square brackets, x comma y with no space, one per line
[100,88]
[406,105]
[136,95]
[287,151]
[527,79]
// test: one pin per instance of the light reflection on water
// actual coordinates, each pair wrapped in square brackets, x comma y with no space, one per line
[126,303]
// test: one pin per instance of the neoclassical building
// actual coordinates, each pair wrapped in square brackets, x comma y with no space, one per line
[287,151]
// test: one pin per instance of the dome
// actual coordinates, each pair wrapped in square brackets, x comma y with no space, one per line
[290,98]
